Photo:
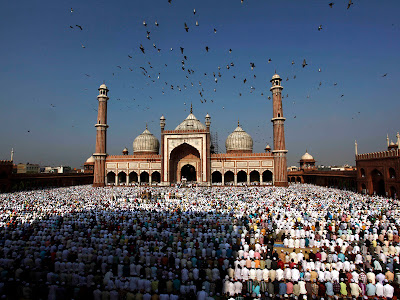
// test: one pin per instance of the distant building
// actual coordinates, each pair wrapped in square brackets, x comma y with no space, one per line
[88,166]
[378,172]
[337,177]
[28,168]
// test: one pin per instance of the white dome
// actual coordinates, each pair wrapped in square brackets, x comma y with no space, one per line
[146,142]
[276,76]
[239,140]
[90,159]
[191,123]
[307,156]
[103,86]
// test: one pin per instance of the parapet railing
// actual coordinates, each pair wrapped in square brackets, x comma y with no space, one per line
[381,154]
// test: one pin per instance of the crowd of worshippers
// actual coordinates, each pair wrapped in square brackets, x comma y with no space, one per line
[301,242]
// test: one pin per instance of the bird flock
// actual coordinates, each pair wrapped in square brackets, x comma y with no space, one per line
[205,84]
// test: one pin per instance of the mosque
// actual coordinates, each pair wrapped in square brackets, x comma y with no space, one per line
[185,154]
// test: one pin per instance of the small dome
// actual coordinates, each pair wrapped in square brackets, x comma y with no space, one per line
[90,160]
[125,149]
[191,123]
[392,144]
[146,142]
[239,140]
[162,117]
[307,156]
[276,76]
[208,116]
[103,86]
[268,147]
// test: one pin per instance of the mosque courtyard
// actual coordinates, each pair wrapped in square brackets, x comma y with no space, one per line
[300,242]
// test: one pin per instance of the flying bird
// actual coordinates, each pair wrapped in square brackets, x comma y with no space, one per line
[197,23]
[269,60]
[144,23]
[156,23]
[207,48]
[169,1]
[80,27]
[304,63]
[252,65]
[129,56]
[350,4]
[71,27]
[292,62]
[215,30]
[119,67]
[331,4]
[230,50]
[186,28]
[384,75]
[83,46]
[194,11]
[72,10]
[181,49]
[141,48]
[319,27]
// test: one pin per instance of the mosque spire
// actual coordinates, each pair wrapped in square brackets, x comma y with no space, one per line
[146,125]
[191,108]
[12,153]
[356,147]
[238,123]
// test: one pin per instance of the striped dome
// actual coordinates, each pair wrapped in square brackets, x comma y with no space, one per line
[239,140]
[146,143]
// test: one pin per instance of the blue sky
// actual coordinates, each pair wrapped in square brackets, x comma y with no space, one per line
[49,82]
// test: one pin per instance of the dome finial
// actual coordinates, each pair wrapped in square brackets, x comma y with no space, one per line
[191,108]
[146,125]
[238,123]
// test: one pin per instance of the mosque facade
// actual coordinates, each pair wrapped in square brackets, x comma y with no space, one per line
[185,154]
[378,172]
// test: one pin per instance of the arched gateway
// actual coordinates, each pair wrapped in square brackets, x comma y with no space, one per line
[184,163]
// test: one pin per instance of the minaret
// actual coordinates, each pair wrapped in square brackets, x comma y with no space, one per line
[162,125]
[398,140]
[208,147]
[101,139]
[12,154]
[356,147]
[279,152]
[387,140]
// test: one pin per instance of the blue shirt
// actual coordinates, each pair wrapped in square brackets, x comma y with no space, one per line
[329,288]
[371,289]
[282,288]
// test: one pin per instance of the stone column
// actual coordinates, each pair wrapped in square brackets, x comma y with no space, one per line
[127,179]
[261,179]
[116,179]
[149,178]
[248,179]
[235,179]
[223,179]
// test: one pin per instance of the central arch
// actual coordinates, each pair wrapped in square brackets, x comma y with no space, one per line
[184,160]
[188,172]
